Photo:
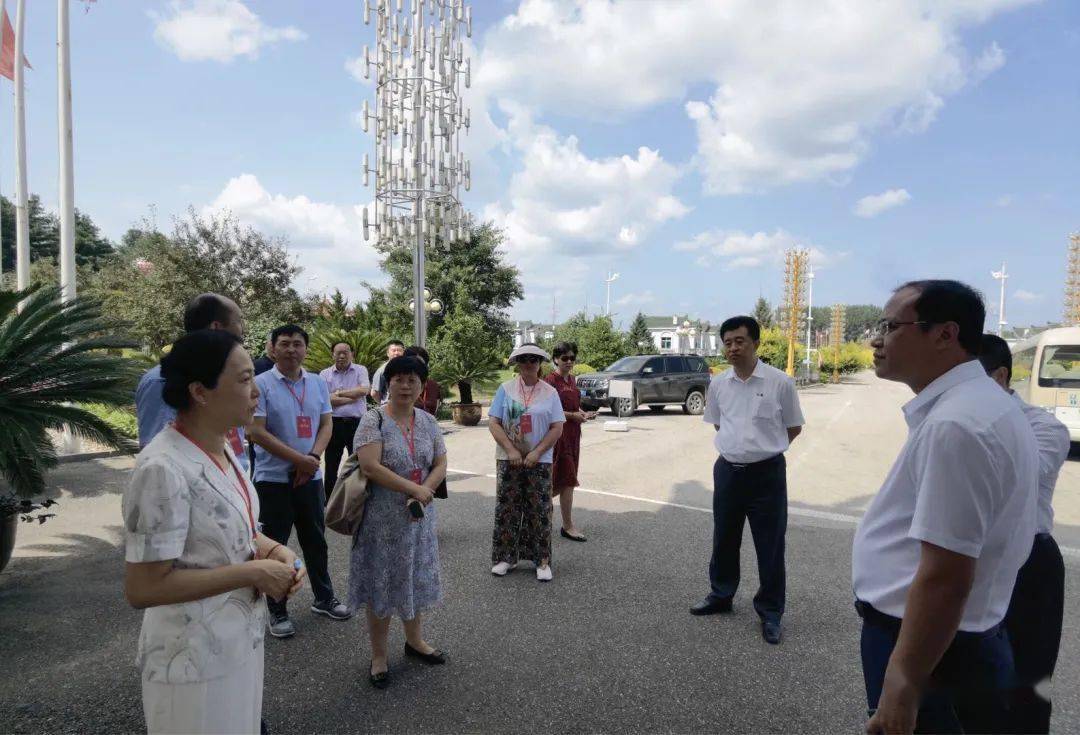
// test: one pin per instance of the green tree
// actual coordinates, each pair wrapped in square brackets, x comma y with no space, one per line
[52,356]
[774,348]
[599,343]
[763,312]
[476,262]
[90,246]
[859,320]
[152,276]
[639,340]
[463,352]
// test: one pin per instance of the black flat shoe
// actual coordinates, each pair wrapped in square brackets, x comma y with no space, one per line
[709,606]
[380,680]
[435,658]
[572,537]
[771,632]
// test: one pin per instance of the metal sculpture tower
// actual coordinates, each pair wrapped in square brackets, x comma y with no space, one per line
[420,69]
[1072,283]
[796,262]
[836,338]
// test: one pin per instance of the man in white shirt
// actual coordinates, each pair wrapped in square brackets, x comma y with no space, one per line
[755,410]
[349,386]
[379,393]
[936,554]
[1038,600]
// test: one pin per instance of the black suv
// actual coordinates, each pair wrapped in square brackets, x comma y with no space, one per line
[659,380]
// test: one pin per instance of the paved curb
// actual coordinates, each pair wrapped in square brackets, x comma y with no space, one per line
[84,456]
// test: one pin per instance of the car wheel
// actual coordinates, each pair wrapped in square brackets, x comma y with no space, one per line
[656,409]
[694,404]
[623,407]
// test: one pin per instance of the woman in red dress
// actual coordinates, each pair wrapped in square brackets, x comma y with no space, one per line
[568,448]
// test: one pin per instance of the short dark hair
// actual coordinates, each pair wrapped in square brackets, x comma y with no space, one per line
[995,353]
[287,330]
[397,342]
[197,357]
[204,310]
[564,348]
[406,365]
[942,300]
[340,342]
[733,323]
[417,351]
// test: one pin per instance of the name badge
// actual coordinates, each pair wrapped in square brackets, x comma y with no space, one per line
[526,424]
[234,441]
[416,476]
[303,427]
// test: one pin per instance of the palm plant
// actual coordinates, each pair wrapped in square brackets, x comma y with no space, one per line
[53,355]
[369,348]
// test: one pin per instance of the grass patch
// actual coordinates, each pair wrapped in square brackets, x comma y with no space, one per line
[121,419]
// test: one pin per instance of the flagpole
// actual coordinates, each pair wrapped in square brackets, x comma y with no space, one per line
[22,223]
[67,165]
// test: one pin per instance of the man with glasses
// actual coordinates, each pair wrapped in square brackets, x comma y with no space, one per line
[755,410]
[1038,601]
[935,556]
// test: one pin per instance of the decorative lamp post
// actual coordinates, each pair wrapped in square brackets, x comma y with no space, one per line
[420,69]
[431,306]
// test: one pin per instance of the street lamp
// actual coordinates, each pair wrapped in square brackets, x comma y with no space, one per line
[611,278]
[431,306]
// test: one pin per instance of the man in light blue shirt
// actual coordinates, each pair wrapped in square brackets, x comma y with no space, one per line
[205,311]
[291,430]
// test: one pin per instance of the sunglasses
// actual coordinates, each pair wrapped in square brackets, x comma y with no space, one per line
[568,358]
[529,360]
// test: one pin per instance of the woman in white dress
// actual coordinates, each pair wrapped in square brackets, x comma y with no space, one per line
[196,561]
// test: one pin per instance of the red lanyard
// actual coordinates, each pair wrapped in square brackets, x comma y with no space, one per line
[303,391]
[239,477]
[528,400]
[410,437]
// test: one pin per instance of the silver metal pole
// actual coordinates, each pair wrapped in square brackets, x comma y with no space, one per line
[809,313]
[67,165]
[22,222]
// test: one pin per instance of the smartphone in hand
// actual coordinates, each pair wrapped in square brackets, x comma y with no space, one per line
[415,509]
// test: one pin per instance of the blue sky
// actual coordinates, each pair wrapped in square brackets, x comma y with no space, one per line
[684,144]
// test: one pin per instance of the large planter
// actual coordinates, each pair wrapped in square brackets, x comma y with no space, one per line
[467,414]
[9,524]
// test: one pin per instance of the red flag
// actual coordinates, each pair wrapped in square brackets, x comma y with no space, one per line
[7,51]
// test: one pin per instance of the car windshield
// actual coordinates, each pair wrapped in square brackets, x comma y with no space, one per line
[626,365]
[1060,367]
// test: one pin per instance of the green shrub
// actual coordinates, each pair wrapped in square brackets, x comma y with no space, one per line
[854,356]
[121,419]
[581,368]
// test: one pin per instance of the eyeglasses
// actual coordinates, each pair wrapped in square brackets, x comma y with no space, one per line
[568,358]
[529,360]
[885,326]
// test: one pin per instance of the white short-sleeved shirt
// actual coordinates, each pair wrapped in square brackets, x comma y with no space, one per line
[180,506]
[753,414]
[514,400]
[966,480]
[1052,438]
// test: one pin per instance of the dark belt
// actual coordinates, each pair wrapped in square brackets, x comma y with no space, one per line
[872,615]
[751,465]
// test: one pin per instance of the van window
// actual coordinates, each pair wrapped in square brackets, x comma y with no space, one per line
[1060,367]
[675,364]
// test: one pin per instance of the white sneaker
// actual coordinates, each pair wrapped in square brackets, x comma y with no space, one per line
[500,569]
[544,573]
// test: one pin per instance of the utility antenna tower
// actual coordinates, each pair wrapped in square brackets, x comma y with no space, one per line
[836,337]
[420,68]
[796,262]
[1072,283]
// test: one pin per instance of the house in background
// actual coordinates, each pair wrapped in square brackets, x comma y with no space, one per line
[525,331]
[683,335]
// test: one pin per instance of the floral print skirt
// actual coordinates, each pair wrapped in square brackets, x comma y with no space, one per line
[522,513]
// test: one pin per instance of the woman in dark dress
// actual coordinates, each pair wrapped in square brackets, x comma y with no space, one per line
[568,449]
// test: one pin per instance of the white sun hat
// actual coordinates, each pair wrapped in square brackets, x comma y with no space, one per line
[528,350]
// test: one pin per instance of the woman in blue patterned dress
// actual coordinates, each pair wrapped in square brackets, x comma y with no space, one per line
[394,569]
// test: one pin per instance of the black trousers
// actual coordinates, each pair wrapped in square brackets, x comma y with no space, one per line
[968,688]
[340,443]
[1034,625]
[756,492]
[282,507]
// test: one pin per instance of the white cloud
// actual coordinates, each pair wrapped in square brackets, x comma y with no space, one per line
[735,249]
[1005,200]
[796,91]
[636,299]
[1022,295]
[563,209]
[875,204]
[325,239]
[216,30]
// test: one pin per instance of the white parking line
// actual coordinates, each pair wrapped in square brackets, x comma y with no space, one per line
[795,511]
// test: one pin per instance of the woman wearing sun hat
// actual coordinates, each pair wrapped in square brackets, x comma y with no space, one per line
[526,420]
